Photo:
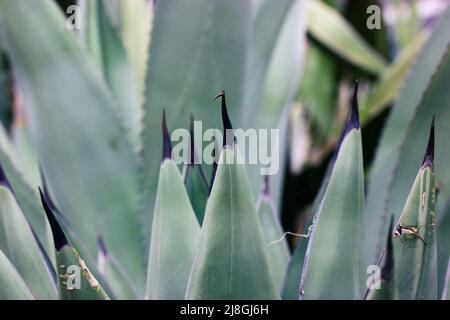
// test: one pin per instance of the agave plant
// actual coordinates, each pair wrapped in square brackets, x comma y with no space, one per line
[94,206]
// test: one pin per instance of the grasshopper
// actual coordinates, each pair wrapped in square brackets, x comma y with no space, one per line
[401,230]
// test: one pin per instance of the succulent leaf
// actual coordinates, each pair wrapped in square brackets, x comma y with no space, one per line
[415,236]
[335,244]
[13,287]
[74,128]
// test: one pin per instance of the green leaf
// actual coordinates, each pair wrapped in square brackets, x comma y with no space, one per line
[414,241]
[334,246]
[197,189]
[27,200]
[317,90]
[84,150]
[114,274]
[134,21]
[174,237]
[443,244]
[203,33]
[392,79]
[276,246]
[291,287]
[446,291]
[399,151]
[105,46]
[23,250]
[327,26]
[387,289]
[136,29]
[25,153]
[231,262]
[13,287]
[75,281]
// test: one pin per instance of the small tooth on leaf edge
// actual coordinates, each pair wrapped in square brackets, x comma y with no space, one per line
[428,159]
[58,234]
[167,147]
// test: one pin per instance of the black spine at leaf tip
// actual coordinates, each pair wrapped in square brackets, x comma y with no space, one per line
[387,272]
[101,245]
[353,122]
[191,133]
[3,179]
[266,187]
[59,237]
[167,147]
[228,137]
[428,159]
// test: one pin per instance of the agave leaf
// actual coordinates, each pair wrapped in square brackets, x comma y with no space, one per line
[75,281]
[387,289]
[443,244]
[136,29]
[195,180]
[197,189]
[103,42]
[23,250]
[335,243]
[174,237]
[134,21]
[25,153]
[291,286]
[392,79]
[231,262]
[327,26]
[415,237]
[13,287]
[446,291]
[276,246]
[399,150]
[202,32]
[28,202]
[75,131]
[317,89]
[111,270]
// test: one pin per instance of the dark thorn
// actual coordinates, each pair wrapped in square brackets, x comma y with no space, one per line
[213,176]
[3,179]
[353,122]
[228,134]
[46,190]
[387,272]
[428,159]
[266,187]
[167,147]
[58,234]
[191,132]
[101,245]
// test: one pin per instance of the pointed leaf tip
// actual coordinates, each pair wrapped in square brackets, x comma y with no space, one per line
[353,122]
[167,146]
[228,134]
[387,272]
[428,159]
[3,179]
[266,187]
[191,134]
[59,237]
[101,245]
